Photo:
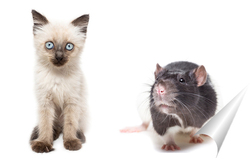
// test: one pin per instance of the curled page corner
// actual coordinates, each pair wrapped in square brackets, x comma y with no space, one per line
[219,125]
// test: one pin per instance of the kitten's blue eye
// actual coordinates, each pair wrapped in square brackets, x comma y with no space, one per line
[49,45]
[69,46]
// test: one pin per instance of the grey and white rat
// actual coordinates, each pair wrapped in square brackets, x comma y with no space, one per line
[182,98]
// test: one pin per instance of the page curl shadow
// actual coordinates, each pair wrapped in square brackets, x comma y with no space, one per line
[219,125]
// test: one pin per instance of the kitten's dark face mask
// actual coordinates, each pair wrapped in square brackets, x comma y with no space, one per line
[59,53]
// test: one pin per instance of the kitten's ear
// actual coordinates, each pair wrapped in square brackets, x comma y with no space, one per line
[39,21]
[158,69]
[82,22]
[200,75]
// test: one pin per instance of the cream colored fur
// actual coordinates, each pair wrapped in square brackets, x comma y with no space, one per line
[60,91]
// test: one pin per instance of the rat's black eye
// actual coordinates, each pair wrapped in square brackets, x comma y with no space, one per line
[182,80]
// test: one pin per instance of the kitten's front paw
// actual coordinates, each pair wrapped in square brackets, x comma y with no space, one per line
[41,147]
[72,145]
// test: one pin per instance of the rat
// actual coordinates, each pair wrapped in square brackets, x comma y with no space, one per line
[182,98]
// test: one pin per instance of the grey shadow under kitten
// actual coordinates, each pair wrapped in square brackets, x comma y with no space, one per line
[59,83]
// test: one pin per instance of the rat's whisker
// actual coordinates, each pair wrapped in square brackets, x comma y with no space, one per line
[197,95]
[181,111]
[164,118]
[186,108]
[149,85]
[200,110]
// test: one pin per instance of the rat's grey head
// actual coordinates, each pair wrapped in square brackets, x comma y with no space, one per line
[175,88]
[58,43]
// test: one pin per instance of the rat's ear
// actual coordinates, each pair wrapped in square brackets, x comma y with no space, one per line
[200,75]
[39,21]
[82,22]
[158,69]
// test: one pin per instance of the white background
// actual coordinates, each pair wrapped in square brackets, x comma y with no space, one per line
[125,40]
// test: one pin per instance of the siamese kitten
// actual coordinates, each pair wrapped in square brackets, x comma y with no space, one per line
[59,83]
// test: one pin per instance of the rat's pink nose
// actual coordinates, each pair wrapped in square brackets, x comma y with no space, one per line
[160,90]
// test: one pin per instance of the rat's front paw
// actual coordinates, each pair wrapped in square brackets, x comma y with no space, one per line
[41,147]
[72,145]
[172,147]
[196,139]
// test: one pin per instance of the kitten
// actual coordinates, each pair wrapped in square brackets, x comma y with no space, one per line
[59,83]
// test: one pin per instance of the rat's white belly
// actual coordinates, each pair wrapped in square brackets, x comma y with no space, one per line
[181,128]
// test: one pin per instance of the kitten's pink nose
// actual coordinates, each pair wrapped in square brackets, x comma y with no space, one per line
[160,90]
